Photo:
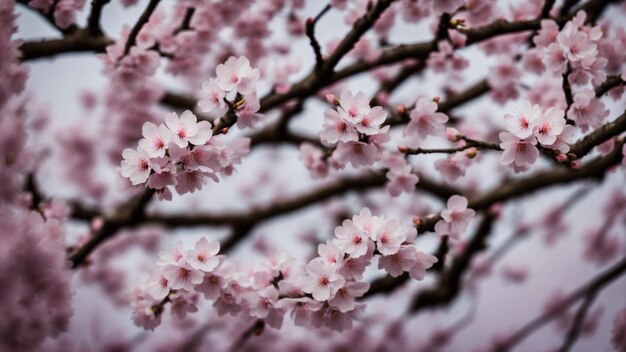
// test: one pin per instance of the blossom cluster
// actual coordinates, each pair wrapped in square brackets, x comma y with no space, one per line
[455,218]
[322,293]
[233,88]
[529,126]
[574,50]
[63,12]
[355,129]
[181,153]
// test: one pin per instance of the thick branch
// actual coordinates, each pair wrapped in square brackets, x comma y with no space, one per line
[143,19]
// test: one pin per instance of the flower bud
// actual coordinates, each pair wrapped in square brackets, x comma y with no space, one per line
[453,134]
[471,153]
[332,99]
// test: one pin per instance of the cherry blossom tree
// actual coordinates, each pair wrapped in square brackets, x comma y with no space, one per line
[371,175]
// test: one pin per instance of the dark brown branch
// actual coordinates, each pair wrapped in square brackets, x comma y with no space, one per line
[449,284]
[143,19]
[596,284]
[577,324]
[469,94]
[469,144]
[93,21]
[610,83]
[599,136]
[310,33]
[130,215]
[186,22]
[255,329]
[78,41]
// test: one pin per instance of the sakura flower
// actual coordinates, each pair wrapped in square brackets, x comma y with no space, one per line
[523,122]
[236,74]
[353,108]
[136,165]
[353,268]
[389,237]
[401,180]
[203,256]
[247,115]
[565,139]
[370,123]
[350,239]
[425,121]
[367,223]
[423,261]
[399,262]
[313,159]
[182,303]
[549,126]
[336,129]
[173,256]
[330,253]
[587,110]
[344,299]
[576,44]
[211,96]
[186,129]
[455,218]
[182,276]
[211,285]
[158,286]
[301,309]
[322,281]
[156,139]
[263,304]
[357,153]
[519,152]
[452,167]
[618,338]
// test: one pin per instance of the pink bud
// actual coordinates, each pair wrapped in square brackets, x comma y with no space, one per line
[561,158]
[495,209]
[453,134]
[402,149]
[471,153]
[576,165]
[383,98]
[332,99]
[96,223]
[400,109]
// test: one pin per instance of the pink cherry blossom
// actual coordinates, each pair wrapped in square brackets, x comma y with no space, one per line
[203,256]
[336,129]
[182,276]
[587,111]
[356,153]
[301,309]
[353,108]
[389,237]
[425,121]
[351,239]
[520,153]
[236,74]
[618,335]
[313,159]
[399,262]
[344,298]
[211,97]
[173,256]
[423,261]
[455,218]
[211,285]
[156,139]
[549,125]
[523,122]
[452,167]
[158,286]
[322,280]
[136,165]
[186,129]
[402,180]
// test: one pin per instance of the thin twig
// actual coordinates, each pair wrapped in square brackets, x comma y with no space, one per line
[143,19]
[310,33]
